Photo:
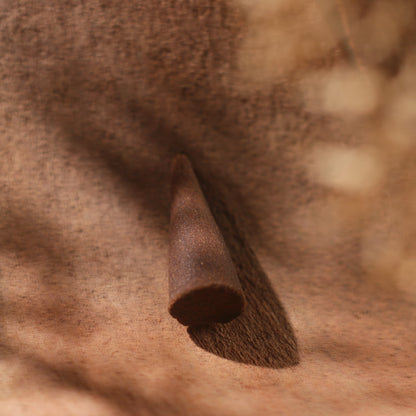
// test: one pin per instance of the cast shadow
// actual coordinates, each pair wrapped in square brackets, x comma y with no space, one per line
[262,335]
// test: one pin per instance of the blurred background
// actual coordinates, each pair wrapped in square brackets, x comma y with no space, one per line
[353,61]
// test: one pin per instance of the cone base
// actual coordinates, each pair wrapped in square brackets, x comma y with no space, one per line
[207,305]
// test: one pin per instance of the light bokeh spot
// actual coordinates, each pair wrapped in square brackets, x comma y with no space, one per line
[346,169]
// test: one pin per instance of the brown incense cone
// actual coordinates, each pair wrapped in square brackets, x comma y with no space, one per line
[203,284]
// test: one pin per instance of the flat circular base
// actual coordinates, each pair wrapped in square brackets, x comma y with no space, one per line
[207,305]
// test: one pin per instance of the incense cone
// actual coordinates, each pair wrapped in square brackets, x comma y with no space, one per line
[203,283]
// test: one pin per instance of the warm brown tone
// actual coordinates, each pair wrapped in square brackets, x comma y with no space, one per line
[313,191]
[203,284]
[262,334]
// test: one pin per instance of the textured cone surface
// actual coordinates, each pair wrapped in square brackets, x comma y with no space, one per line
[203,284]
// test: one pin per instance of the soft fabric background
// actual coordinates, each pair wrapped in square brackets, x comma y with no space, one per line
[299,119]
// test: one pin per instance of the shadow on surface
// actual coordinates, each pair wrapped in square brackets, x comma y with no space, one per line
[262,335]
[119,395]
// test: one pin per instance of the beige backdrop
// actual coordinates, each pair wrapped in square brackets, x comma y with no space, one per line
[298,117]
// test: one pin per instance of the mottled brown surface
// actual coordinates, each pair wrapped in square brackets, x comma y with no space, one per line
[262,335]
[96,97]
[203,284]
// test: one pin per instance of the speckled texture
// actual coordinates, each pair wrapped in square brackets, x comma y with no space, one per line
[96,98]
[203,284]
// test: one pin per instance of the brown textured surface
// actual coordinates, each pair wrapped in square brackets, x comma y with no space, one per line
[203,284]
[262,335]
[96,97]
